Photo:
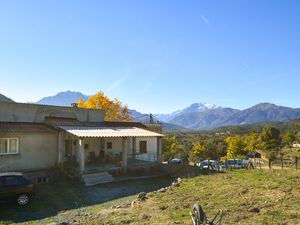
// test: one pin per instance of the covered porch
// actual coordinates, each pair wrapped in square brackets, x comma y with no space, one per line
[115,150]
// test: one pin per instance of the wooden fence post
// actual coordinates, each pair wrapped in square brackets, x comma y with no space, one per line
[296,162]
[281,161]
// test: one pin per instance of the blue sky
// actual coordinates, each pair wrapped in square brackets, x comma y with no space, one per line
[154,55]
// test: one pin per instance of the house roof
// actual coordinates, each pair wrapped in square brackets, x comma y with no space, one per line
[101,131]
[62,121]
[18,127]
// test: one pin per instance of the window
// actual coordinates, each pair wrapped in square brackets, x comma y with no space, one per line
[14,181]
[11,181]
[68,148]
[109,145]
[9,146]
[41,180]
[143,146]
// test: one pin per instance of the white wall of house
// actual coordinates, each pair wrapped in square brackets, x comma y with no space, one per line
[94,145]
[151,154]
[36,151]
[116,146]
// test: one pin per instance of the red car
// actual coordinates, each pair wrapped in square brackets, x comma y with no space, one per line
[16,187]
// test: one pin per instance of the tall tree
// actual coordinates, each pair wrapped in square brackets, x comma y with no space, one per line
[213,149]
[252,142]
[235,146]
[114,109]
[288,138]
[270,138]
[196,153]
[170,147]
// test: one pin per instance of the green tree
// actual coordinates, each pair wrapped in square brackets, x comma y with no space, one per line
[213,149]
[270,138]
[288,138]
[170,147]
[252,142]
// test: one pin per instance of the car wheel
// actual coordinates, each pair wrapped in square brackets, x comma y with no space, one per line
[23,199]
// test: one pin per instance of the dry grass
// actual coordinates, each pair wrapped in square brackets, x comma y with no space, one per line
[275,193]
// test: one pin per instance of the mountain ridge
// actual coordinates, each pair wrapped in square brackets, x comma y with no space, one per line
[63,98]
[197,116]
[5,99]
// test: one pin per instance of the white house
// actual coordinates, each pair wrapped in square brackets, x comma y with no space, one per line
[36,137]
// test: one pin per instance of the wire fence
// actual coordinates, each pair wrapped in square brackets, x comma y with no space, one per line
[284,162]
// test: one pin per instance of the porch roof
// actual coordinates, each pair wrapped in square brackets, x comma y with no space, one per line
[92,131]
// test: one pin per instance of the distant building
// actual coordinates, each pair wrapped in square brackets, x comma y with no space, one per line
[296,145]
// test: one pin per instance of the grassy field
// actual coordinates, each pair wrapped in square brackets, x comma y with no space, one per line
[274,194]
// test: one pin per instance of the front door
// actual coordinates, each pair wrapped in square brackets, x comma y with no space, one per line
[68,149]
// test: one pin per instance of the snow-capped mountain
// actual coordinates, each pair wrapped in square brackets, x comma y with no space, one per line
[197,116]
[196,107]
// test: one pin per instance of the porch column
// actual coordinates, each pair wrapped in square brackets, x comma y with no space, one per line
[81,155]
[134,148]
[159,149]
[124,155]
[60,147]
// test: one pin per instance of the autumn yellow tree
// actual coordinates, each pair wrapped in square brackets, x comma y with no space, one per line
[235,146]
[114,110]
[196,152]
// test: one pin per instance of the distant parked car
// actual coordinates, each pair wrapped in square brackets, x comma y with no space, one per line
[176,161]
[235,163]
[16,187]
[209,164]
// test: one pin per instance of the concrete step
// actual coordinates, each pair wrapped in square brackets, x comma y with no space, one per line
[93,182]
[91,175]
[97,178]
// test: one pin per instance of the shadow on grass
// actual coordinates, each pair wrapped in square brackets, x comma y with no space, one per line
[54,198]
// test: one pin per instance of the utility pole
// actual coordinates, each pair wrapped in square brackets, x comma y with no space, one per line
[151,118]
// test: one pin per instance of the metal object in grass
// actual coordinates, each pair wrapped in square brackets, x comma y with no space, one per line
[199,217]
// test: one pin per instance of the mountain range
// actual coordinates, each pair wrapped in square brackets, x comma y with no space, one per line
[5,99]
[197,116]
[63,98]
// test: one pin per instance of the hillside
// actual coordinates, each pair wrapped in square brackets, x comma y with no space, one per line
[203,120]
[263,112]
[144,118]
[193,108]
[63,98]
[260,113]
[246,197]
[5,99]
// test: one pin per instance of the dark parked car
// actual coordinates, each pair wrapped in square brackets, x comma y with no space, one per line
[16,187]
